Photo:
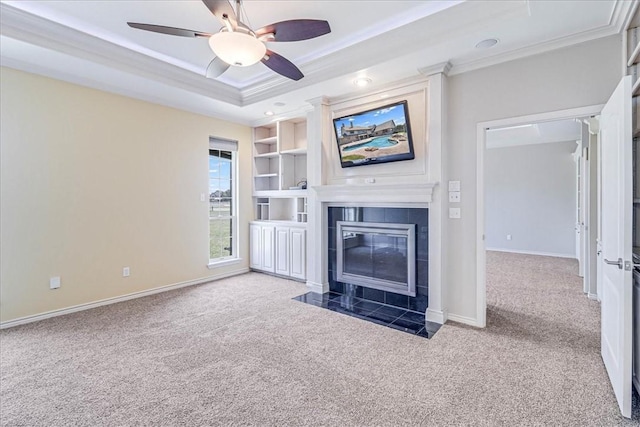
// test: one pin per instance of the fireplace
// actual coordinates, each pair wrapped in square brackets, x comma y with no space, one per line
[396,233]
[377,255]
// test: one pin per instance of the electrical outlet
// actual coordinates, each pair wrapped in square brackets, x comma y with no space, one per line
[508,236]
[454,197]
[126,272]
[454,213]
[54,282]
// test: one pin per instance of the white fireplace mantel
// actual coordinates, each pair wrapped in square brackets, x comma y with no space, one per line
[367,193]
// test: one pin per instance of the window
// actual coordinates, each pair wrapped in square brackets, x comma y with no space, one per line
[222,200]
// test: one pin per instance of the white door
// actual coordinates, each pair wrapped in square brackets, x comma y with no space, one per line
[298,253]
[255,241]
[268,245]
[616,339]
[578,227]
[282,251]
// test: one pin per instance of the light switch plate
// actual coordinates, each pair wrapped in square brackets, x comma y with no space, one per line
[454,197]
[454,185]
[54,282]
[454,213]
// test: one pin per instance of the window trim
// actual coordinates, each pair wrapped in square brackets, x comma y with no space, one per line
[229,146]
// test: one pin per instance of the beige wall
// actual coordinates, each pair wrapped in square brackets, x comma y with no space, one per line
[92,182]
[576,76]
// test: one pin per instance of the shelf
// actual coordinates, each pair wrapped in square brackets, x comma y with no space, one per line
[280,194]
[266,175]
[295,151]
[270,140]
[266,155]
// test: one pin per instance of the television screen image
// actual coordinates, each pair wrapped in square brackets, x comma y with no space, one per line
[374,136]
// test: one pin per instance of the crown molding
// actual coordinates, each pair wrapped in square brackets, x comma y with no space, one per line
[23,26]
[441,68]
[622,14]
[292,114]
[532,50]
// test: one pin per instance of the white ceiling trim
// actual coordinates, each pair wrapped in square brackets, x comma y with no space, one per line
[536,49]
[20,25]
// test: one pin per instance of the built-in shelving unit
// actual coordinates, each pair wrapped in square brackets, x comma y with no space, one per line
[280,156]
[280,171]
[278,234]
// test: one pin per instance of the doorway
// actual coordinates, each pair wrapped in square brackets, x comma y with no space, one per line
[481,242]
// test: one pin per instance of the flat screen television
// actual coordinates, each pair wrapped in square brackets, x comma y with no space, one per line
[374,136]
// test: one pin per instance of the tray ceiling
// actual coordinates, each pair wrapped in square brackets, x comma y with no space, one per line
[89,43]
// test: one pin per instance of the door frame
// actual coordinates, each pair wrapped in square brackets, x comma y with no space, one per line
[481,137]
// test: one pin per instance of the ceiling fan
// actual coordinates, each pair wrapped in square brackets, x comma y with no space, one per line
[238,45]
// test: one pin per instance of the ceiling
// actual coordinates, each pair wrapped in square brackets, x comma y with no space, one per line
[89,43]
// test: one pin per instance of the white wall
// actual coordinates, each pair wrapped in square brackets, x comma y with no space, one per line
[531,195]
[580,75]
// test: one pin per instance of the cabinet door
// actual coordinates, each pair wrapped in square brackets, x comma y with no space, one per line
[282,251]
[267,248]
[255,243]
[298,250]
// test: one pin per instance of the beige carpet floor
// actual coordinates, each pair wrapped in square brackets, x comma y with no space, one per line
[240,352]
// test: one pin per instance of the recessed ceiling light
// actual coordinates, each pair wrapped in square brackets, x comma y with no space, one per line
[362,81]
[279,104]
[268,113]
[486,44]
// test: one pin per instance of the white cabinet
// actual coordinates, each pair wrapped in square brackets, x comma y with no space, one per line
[298,251]
[279,249]
[262,256]
[283,253]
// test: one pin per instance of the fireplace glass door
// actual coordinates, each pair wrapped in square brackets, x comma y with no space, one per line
[377,255]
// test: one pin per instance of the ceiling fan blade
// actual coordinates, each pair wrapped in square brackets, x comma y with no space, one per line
[222,10]
[295,30]
[216,67]
[281,65]
[168,30]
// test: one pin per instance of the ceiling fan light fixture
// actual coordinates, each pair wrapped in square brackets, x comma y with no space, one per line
[237,48]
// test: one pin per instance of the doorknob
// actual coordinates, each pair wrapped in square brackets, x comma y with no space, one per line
[618,263]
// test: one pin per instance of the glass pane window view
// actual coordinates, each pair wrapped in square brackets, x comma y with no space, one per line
[221,205]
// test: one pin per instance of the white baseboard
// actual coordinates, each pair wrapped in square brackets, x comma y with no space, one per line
[113,300]
[593,297]
[517,251]
[317,288]
[436,316]
[463,319]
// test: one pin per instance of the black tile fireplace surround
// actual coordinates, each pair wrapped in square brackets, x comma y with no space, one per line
[417,216]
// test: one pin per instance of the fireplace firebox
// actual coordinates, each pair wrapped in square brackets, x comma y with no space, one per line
[377,255]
